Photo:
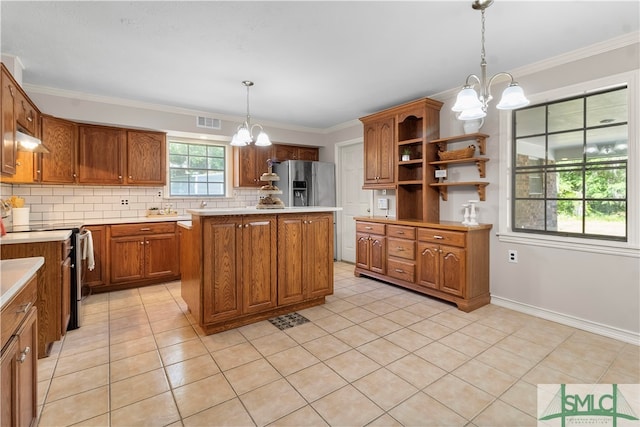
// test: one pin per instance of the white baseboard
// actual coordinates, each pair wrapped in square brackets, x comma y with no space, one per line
[566,319]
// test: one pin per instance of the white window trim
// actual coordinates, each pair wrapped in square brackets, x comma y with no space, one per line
[631,247]
[228,168]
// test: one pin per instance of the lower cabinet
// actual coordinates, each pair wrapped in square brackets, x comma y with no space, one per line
[241,269]
[18,361]
[447,261]
[98,276]
[304,259]
[371,244]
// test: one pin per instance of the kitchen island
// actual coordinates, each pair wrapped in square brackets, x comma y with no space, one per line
[244,265]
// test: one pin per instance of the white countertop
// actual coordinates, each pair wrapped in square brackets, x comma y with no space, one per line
[252,210]
[133,220]
[15,273]
[35,237]
[185,224]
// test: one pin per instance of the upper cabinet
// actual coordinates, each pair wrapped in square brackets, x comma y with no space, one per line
[8,124]
[146,157]
[379,158]
[292,152]
[58,166]
[101,155]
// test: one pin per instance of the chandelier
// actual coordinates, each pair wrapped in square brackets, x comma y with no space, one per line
[472,105]
[244,133]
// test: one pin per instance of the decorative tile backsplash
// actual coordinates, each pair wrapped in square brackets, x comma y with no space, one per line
[72,202]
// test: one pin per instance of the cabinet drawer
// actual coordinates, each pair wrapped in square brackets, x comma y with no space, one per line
[402,248]
[124,230]
[402,232]
[17,309]
[441,236]
[401,270]
[370,227]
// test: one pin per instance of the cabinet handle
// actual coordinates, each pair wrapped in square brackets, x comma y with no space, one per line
[400,232]
[145,229]
[119,176]
[425,251]
[368,228]
[11,90]
[399,249]
[130,177]
[25,307]
[435,236]
[23,355]
[398,270]
[29,118]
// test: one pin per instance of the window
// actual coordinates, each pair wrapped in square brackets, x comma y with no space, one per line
[570,166]
[196,169]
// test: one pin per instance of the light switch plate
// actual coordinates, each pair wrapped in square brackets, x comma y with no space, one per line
[441,173]
[383,204]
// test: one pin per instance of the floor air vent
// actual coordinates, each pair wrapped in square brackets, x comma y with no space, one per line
[288,321]
[208,123]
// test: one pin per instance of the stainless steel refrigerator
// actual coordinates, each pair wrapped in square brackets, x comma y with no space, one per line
[306,183]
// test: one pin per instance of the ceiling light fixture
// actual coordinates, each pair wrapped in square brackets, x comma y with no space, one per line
[469,104]
[244,134]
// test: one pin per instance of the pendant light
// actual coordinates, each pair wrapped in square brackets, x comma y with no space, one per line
[244,133]
[472,105]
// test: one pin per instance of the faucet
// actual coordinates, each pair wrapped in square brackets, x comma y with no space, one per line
[203,204]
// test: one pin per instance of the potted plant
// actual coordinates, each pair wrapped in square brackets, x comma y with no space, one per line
[406,155]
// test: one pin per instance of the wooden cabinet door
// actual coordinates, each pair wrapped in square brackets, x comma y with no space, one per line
[26,162]
[259,269]
[60,165]
[452,270]
[65,313]
[244,172]
[308,153]
[370,153]
[101,155]
[378,254]
[9,382]
[428,265]
[97,276]
[386,158]
[262,155]
[161,255]
[26,114]
[222,269]
[362,251]
[146,157]
[318,250]
[8,124]
[291,259]
[285,152]
[27,370]
[126,259]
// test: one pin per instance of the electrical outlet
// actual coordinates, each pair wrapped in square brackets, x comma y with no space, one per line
[160,194]
[124,201]
[513,255]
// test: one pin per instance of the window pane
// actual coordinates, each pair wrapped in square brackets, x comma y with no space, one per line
[566,115]
[198,162]
[606,183]
[178,148]
[178,175]
[565,183]
[215,176]
[197,150]
[606,218]
[213,151]
[608,107]
[193,166]
[530,151]
[176,161]
[530,121]
[529,214]
[216,189]
[529,185]
[565,216]
[566,147]
[607,143]
[179,188]
[215,163]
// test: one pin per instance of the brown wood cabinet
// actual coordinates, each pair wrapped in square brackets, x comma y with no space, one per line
[60,165]
[142,253]
[53,300]
[101,154]
[371,247]
[19,374]
[230,266]
[379,152]
[284,152]
[305,256]
[250,163]
[98,276]
[27,115]
[444,260]
[146,157]
[8,93]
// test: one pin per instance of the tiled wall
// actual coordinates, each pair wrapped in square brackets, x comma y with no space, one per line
[73,202]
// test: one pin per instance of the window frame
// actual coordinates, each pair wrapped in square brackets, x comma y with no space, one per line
[595,245]
[228,173]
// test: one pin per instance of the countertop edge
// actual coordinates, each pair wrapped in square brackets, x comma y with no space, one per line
[448,225]
[35,237]
[18,270]
[255,211]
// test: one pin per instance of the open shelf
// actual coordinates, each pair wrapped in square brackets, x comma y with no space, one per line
[410,141]
[443,188]
[480,138]
[479,161]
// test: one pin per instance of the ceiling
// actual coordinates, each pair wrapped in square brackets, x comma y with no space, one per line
[314,64]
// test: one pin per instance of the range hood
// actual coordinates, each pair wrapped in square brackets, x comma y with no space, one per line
[29,143]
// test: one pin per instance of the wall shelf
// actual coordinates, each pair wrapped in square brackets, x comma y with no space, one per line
[479,161]
[481,140]
[443,188]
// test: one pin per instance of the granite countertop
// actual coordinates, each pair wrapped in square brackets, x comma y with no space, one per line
[252,210]
[35,237]
[15,273]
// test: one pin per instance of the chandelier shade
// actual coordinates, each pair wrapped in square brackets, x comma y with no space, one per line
[472,104]
[244,133]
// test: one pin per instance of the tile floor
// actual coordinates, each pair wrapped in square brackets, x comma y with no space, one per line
[374,355]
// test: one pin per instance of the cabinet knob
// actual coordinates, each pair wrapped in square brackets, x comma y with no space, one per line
[130,177]
[438,237]
[246,225]
[75,175]
[119,176]
[23,354]
[142,243]
[147,242]
[38,171]
[398,270]
[239,225]
[25,307]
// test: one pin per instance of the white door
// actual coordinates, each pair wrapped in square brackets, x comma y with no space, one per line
[354,200]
